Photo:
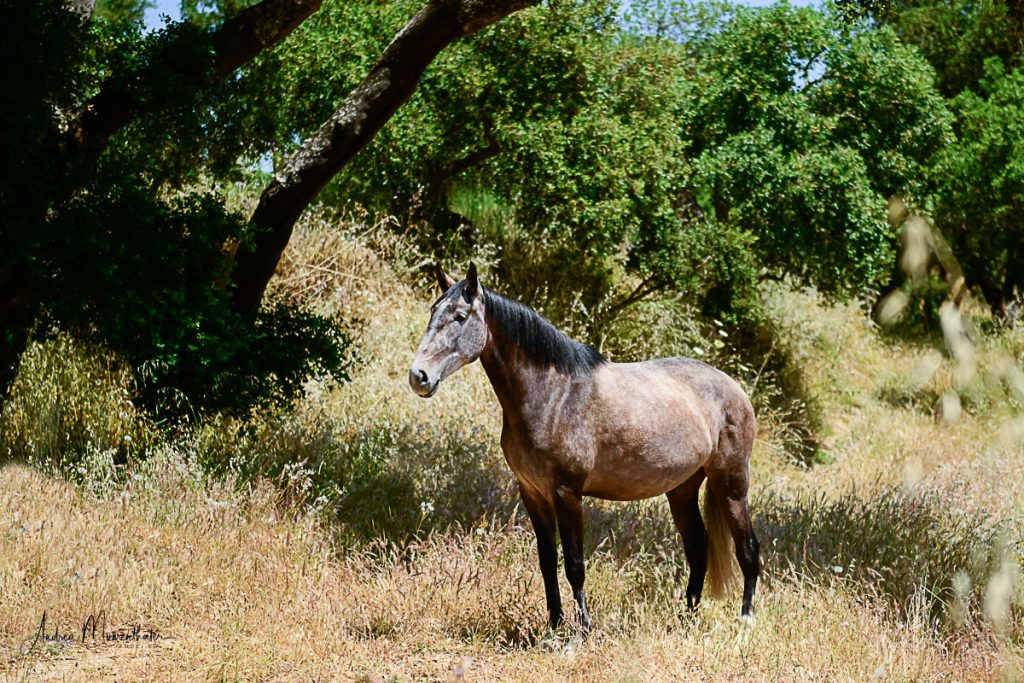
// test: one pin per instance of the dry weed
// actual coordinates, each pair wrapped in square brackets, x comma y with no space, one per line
[369,535]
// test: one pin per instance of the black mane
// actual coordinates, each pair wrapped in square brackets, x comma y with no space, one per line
[541,341]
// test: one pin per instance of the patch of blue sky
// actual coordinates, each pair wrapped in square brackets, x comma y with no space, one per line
[154,17]
[155,13]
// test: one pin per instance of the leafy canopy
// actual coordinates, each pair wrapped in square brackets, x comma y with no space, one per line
[981,191]
[133,249]
[693,160]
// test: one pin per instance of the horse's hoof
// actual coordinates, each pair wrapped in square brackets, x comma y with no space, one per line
[573,645]
[748,620]
[551,642]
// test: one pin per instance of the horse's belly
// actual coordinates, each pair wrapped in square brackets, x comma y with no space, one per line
[630,476]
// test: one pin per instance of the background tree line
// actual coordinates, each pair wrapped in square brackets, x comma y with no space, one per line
[601,156]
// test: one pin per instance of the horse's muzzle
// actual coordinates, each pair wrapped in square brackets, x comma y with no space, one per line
[421,383]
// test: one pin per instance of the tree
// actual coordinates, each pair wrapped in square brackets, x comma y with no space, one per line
[690,160]
[975,48]
[980,201]
[956,37]
[390,82]
[610,151]
[109,234]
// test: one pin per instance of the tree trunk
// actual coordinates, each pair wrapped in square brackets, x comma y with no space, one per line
[390,83]
[919,243]
[83,8]
[19,306]
[1015,13]
[118,102]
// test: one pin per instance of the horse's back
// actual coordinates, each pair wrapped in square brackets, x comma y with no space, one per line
[718,390]
[656,422]
[710,387]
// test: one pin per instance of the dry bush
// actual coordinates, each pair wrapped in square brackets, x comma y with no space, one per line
[915,549]
[70,399]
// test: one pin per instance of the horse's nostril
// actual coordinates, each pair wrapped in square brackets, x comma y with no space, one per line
[418,378]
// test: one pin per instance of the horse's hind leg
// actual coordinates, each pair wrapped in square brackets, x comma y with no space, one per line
[728,488]
[686,514]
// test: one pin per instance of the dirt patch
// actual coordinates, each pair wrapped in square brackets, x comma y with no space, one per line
[118,658]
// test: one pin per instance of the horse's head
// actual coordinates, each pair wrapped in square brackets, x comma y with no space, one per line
[456,334]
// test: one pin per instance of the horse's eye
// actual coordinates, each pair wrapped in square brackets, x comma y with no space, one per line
[460,317]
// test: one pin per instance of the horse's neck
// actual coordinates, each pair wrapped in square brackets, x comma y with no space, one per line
[522,385]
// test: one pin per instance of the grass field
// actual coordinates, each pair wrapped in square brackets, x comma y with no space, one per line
[370,535]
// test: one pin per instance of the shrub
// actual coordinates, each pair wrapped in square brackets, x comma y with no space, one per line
[69,399]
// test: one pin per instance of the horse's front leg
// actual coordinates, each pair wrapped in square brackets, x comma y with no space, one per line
[569,512]
[542,515]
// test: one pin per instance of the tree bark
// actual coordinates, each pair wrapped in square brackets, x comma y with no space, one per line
[83,8]
[19,306]
[236,42]
[364,112]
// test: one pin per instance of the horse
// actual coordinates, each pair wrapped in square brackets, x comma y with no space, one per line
[575,424]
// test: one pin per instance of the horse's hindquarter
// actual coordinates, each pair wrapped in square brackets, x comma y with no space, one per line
[654,424]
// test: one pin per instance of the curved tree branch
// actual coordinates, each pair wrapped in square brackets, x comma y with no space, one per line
[236,42]
[390,82]
[467,162]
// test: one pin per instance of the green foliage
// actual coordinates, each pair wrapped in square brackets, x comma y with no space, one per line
[130,10]
[205,129]
[956,37]
[134,251]
[142,276]
[285,94]
[624,163]
[975,50]
[801,145]
[981,194]
[881,99]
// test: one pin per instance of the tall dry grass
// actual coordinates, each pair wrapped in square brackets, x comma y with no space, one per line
[222,585]
[370,535]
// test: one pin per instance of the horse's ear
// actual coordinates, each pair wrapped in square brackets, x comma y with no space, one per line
[443,281]
[472,282]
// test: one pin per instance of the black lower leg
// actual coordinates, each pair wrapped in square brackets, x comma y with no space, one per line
[569,512]
[686,515]
[750,565]
[542,517]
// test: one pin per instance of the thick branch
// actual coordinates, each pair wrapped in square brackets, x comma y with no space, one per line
[83,8]
[255,29]
[467,162]
[236,42]
[921,239]
[364,112]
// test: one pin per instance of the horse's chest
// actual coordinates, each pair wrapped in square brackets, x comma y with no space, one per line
[539,457]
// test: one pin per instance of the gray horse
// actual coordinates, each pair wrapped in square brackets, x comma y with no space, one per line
[575,424]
